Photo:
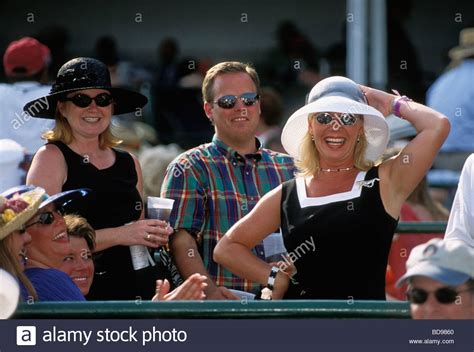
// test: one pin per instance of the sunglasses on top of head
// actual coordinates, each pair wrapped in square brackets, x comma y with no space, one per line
[83,100]
[46,218]
[325,118]
[229,101]
[444,295]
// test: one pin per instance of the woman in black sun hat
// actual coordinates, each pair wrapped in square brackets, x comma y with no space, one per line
[81,153]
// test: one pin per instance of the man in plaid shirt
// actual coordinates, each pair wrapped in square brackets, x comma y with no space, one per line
[216,184]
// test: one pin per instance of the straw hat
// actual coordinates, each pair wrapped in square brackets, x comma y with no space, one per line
[337,94]
[465,47]
[17,208]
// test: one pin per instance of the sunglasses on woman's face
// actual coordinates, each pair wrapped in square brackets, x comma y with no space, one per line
[83,100]
[325,118]
[229,101]
[444,295]
[46,218]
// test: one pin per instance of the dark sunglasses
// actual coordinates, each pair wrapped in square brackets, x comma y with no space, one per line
[444,295]
[83,101]
[229,101]
[325,118]
[46,218]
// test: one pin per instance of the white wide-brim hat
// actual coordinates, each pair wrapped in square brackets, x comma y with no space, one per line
[337,94]
[9,294]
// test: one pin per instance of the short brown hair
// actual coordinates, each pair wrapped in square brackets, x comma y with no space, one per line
[222,68]
[77,226]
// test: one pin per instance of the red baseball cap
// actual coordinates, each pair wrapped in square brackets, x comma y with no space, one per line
[26,53]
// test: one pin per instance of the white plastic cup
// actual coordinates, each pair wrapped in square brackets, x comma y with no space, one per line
[159,208]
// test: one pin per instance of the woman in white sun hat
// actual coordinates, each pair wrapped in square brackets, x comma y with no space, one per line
[339,215]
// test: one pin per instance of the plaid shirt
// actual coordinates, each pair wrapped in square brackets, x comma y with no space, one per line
[213,187]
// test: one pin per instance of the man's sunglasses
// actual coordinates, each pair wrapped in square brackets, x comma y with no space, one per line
[46,218]
[325,118]
[444,295]
[229,101]
[83,100]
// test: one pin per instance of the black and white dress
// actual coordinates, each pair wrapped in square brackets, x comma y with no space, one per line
[338,243]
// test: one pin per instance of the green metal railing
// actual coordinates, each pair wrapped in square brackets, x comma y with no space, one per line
[421,227]
[215,310]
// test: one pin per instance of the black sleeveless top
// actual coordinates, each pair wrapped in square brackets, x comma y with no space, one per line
[114,201]
[338,243]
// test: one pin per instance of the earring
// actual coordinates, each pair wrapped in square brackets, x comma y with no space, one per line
[358,139]
[312,138]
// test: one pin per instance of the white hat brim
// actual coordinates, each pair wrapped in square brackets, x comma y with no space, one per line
[9,294]
[376,128]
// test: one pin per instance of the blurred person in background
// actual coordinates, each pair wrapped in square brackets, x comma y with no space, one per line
[25,62]
[269,129]
[156,161]
[12,157]
[453,95]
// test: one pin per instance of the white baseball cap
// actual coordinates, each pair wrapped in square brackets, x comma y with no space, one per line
[449,262]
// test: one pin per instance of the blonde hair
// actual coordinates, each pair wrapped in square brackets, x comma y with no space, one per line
[222,68]
[9,263]
[62,132]
[308,164]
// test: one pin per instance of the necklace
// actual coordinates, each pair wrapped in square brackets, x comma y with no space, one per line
[337,170]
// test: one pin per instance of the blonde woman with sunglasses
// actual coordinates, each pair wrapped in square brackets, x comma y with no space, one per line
[339,215]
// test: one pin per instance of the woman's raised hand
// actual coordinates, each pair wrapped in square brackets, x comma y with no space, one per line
[378,99]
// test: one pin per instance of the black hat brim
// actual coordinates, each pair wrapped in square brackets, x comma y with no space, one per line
[125,101]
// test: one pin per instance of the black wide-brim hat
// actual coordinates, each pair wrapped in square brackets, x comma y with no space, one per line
[79,74]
